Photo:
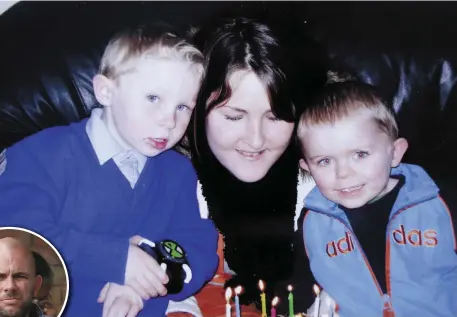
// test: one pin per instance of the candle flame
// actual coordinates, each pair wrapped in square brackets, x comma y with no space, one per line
[261,286]
[316,290]
[228,294]
[290,288]
[238,290]
[275,301]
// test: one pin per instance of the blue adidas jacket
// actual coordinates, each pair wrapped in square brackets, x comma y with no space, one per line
[421,259]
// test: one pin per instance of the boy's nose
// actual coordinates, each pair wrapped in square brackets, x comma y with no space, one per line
[167,119]
[343,170]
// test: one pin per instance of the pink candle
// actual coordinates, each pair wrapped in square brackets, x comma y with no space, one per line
[274,302]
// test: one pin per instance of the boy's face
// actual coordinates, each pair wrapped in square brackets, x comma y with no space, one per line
[351,159]
[149,108]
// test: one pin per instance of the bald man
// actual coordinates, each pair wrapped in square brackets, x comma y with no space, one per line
[18,281]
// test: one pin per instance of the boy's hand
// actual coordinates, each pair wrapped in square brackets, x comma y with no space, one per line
[119,301]
[143,273]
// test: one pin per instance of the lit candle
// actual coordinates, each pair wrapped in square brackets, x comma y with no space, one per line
[318,300]
[238,291]
[263,299]
[291,301]
[228,308]
[274,302]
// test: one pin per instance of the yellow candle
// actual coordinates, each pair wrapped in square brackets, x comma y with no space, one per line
[263,299]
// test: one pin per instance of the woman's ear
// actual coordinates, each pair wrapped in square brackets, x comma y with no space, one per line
[400,147]
[103,89]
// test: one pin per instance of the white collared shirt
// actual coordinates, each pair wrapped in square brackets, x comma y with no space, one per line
[106,147]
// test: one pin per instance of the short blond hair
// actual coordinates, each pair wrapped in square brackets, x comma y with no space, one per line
[129,46]
[337,100]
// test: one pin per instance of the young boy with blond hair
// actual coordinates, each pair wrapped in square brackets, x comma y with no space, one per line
[97,187]
[379,236]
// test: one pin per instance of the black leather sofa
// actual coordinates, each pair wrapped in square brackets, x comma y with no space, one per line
[50,51]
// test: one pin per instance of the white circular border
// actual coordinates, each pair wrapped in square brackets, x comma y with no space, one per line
[58,254]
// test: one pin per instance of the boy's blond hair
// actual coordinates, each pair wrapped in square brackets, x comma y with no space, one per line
[337,100]
[159,40]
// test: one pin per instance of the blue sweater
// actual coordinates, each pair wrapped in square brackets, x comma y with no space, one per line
[421,259]
[54,185]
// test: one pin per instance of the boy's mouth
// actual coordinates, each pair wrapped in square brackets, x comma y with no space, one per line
[349,190]
[158,143]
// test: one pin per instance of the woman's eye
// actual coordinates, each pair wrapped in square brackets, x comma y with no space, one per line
[233,118]
[274,119]
[153,98]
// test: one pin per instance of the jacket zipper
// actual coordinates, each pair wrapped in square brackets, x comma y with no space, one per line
[388,310]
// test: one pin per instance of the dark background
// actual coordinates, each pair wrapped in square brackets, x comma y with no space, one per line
[49,52]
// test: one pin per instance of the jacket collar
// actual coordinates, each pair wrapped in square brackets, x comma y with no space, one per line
[418,187]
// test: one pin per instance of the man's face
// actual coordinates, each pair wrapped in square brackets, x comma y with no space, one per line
[17,281]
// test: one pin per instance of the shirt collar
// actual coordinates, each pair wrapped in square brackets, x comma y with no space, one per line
[103,142]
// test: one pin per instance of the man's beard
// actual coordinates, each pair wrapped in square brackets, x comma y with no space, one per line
[23,311]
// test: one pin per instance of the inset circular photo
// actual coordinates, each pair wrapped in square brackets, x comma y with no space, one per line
[33,276]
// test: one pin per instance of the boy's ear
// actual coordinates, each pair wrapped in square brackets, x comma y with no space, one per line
[303,165]
[400,147]
[103,89]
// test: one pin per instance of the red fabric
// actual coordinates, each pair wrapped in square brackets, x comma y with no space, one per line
[211,299]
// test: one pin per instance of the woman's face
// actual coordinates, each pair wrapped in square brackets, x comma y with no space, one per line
[243,134]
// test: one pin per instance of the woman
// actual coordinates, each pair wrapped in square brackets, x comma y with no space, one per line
[259,74]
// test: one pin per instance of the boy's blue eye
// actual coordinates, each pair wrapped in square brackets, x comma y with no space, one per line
[153,98]
[182,107]
[324,162]
[361,154]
